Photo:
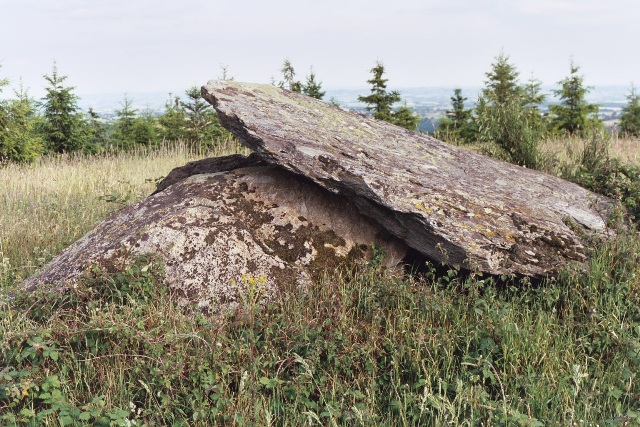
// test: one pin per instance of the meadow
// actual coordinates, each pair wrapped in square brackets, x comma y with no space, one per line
[362,347]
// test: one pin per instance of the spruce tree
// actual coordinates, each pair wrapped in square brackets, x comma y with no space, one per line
[630,119]
[504,116]
[532,98]
[145,128]
[574,114]
[5,148]
[458,114]
[19,140]
[225,73]
[201,122]
[64,127]
[173,120]
[531,94]
[406,118]
[289,75]
[313,88]
[502,81]
[97,130]
[124,125]
[380,101]
[456,125]
[198,113]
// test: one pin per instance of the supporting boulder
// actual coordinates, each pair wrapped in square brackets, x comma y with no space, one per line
[447,203]
[224,233]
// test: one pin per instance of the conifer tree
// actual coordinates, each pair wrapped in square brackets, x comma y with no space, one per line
[201,121]
[289,75]
[456,125]
[574,114]
[502,81]
[145,129]
[532,98]
[630,119]
[64,127]
[97,130]
[406,118]
[124,125]
[225,73]
[531,94]
[197,113]
[5,148]
[19,139]
[173,121]
[503,115]
[313,88]
[458,114]
[380,102]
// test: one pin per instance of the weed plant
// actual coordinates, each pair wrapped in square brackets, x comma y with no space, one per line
[361,347]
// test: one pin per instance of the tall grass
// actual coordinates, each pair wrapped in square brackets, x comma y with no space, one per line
[362,347]
[47,205]
[626,149]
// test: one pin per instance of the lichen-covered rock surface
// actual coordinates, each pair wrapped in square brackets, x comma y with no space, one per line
[445,202]
[226,233]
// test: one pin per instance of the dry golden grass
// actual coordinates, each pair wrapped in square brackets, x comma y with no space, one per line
[627,149]
[623,148]
[47,205]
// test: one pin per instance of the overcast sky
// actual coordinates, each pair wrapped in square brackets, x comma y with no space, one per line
[120,46]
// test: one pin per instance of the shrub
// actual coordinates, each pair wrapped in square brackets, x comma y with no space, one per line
[512,128]
[594,169]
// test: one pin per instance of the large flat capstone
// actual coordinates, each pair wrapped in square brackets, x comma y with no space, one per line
[445,202]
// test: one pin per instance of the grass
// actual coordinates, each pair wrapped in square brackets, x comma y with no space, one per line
[50,204]
[626,149]
[362,347]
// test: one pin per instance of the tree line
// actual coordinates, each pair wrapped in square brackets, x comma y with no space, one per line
[507,114]
[572,115]
[504,105]
[380,102]
[30,128]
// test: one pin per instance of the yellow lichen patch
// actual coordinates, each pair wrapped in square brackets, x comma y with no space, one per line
[423,208]
[509,237]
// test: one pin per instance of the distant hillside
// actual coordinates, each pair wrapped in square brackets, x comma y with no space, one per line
[428,102]
[105,104]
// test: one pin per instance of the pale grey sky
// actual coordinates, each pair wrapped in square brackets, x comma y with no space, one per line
[120,46]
